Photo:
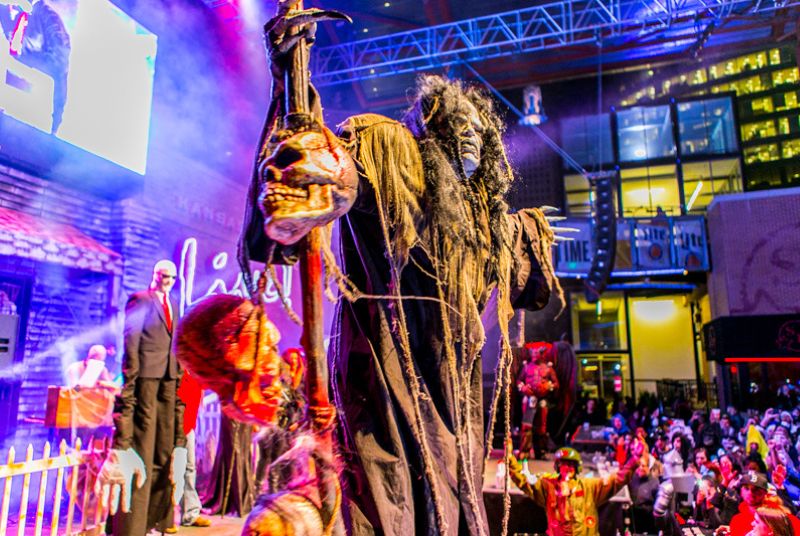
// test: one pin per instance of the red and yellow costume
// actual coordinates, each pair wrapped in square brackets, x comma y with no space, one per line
[571,505]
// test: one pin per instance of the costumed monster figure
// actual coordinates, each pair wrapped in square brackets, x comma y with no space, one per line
[538,383]
[426,239]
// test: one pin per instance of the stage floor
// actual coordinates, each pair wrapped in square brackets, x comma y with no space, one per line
[221,526]
[232,526]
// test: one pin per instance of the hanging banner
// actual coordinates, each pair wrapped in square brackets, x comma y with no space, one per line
[576,255]
[689,239]
[652,244]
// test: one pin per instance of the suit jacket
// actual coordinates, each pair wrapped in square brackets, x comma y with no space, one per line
[148,342]
[148,354]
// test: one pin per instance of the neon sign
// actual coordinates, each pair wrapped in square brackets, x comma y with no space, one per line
[187,270]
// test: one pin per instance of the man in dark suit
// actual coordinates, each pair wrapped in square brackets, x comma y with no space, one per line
[148,415]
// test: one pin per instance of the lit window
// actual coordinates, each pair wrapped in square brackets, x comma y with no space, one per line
[790,148]
[578,193]
[762,106]
[783,126]
[730,68]
[706,126]
[785,101]
[645,190]
[762,129]
[702,181]
[644,133]
[751,61]
[785,76]
[599,327]
[775,56]
[761,153]
[698,77]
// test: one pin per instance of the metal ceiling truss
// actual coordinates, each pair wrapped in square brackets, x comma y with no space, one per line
[548,26]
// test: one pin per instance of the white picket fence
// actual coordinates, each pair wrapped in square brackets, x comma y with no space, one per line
[69,465]
[66,469]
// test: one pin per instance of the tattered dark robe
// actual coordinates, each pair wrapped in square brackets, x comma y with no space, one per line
[386,490]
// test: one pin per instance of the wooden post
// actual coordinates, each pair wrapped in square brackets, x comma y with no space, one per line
[73,488]
[86,488]
[6,495]
[23,501]
[37,531]
[98,508]
[62,451]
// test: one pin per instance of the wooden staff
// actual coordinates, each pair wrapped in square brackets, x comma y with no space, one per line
[297,103]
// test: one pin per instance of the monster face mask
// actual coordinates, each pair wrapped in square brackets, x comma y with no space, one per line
[308,180]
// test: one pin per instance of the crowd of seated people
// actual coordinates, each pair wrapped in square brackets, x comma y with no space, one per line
[728,472]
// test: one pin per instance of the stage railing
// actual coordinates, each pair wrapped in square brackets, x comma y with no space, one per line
[698,394]
[68,467]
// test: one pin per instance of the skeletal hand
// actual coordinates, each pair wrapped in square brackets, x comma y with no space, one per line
[115,479]
[548,213]
[290,25]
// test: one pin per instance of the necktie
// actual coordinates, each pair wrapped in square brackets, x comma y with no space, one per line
[166,312]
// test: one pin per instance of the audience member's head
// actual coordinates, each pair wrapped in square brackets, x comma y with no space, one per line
[700,457]
[754,463]
[727,465]
[769,521]
[714,415]
[753,489]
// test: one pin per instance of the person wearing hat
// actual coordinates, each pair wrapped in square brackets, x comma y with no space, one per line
[754,494]
[571,501]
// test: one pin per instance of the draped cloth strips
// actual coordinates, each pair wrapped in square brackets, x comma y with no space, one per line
[406,369]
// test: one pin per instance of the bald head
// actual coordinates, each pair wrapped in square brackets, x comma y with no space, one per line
[164,273]
[98,352]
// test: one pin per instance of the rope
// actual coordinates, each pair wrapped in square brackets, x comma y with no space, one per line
[410,373]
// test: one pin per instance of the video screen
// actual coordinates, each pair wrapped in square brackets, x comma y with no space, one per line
[80,71]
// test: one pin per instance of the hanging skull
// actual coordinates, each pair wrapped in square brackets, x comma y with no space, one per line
[308,180]
[231,347]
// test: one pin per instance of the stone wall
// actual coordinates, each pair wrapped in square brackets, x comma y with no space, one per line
[70,309]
